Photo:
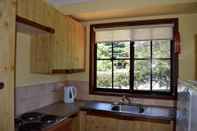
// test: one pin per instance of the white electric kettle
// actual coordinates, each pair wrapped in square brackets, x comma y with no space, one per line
[70,93]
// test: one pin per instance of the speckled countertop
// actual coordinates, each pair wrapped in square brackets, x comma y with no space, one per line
[61,109]
[66,110]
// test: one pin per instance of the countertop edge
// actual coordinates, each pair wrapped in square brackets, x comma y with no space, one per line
[130,116]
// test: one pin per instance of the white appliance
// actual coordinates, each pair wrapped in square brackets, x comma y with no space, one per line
[187,107]
[70,93]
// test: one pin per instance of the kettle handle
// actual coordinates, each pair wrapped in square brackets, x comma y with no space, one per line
[74,89]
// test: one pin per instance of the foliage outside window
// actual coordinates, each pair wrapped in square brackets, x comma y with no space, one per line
[133,66]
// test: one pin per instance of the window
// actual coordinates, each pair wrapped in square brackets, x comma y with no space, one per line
[134,58]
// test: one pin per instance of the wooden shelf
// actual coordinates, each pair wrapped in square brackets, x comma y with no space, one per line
[33,24]
[69,71]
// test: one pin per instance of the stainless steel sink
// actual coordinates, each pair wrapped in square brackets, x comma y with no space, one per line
[128,108]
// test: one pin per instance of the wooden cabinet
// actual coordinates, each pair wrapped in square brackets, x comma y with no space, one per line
[195,48]
[136,125]
[100,123]
[65,125]
[97,123]
[76,42]
[70,124]
[61,52]
[40,53]
[69,47]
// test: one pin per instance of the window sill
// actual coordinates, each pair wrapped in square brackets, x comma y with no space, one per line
[165,96]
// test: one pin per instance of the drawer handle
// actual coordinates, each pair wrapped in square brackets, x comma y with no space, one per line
[1,85]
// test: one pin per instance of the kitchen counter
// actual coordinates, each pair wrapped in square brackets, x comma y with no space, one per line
[67,110]
[150,112]
[61,109]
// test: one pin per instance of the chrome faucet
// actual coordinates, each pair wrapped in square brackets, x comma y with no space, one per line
[125,100]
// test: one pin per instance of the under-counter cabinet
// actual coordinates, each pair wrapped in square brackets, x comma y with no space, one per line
[65,125]
[103,123]
[143,125]
[97,123]
[69,124]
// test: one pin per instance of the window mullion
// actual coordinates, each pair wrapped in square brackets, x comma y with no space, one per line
[131,66]
[112,60]
[151,62]
[172,79]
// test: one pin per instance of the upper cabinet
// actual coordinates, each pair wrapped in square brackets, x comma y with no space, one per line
[76,40]
[69,46]
[60,52]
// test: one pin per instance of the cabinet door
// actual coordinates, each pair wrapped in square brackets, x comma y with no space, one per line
[97,123]
[76,123]
[78,45]
[66,125]
[133,125]
[74,43]
[40,53]
[81,47]
[64,50]
[161,126]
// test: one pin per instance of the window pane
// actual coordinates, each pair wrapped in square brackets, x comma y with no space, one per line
[161,49]
[142,49]
[142,75]
[121,49]
[104,74]
[161,75]
[121,74]
[104,50]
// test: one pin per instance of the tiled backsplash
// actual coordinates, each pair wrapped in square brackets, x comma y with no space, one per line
[32,97]
[35,96]
[83,94]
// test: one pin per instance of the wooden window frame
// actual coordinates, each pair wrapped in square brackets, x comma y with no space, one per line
[141,94]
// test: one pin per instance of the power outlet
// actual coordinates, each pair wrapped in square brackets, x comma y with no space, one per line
[1,85]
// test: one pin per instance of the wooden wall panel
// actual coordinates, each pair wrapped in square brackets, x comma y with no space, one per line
[37,11]
[7,63]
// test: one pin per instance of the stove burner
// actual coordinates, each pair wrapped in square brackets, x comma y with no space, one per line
[31,116]
[34,121]
[49,119]
[32,126]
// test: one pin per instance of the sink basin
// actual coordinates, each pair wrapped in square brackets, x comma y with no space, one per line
[128,108]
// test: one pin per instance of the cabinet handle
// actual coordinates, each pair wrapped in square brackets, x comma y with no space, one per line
[1,85]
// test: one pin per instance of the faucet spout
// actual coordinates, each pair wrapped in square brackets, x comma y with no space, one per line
[125,100]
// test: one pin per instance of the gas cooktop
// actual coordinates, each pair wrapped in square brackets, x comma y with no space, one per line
[34,121]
